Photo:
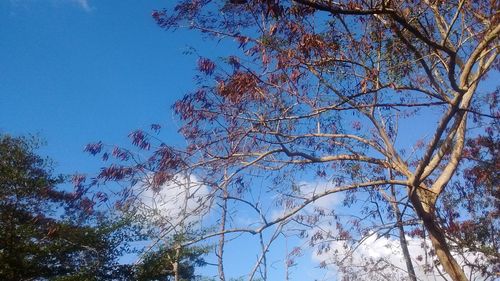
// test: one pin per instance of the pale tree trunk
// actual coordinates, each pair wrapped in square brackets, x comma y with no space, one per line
[424,203]
[404,244]
[424,199]
[222,237]
[175,264]
[220,249]
[404,248]
[402,236]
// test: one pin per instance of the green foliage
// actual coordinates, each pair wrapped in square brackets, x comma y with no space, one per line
[47,233]
[50,234]
[159,264]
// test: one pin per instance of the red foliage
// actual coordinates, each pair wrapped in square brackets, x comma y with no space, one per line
[326,85]
[140,140]
[93,148]
[206,66]
[115,173]
[241,86]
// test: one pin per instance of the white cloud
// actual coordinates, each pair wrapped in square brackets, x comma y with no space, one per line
[82,4]
[179,202]
[381,258]
[310,189]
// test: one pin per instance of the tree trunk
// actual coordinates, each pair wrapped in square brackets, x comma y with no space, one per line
[222,238]
[404,246]
[402,237]
[425,208]
[175,265]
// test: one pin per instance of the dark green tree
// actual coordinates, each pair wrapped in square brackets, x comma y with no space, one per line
[47,233]
[169,264]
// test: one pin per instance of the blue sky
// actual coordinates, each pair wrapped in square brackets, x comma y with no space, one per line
[76,71]
[79,71]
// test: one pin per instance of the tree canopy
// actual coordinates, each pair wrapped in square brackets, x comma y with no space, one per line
[48,233]
[379,99]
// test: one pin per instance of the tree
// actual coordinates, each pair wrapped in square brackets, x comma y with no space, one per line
[170,264]
[162,217]
[47,233]
[476,228]
[331,91]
